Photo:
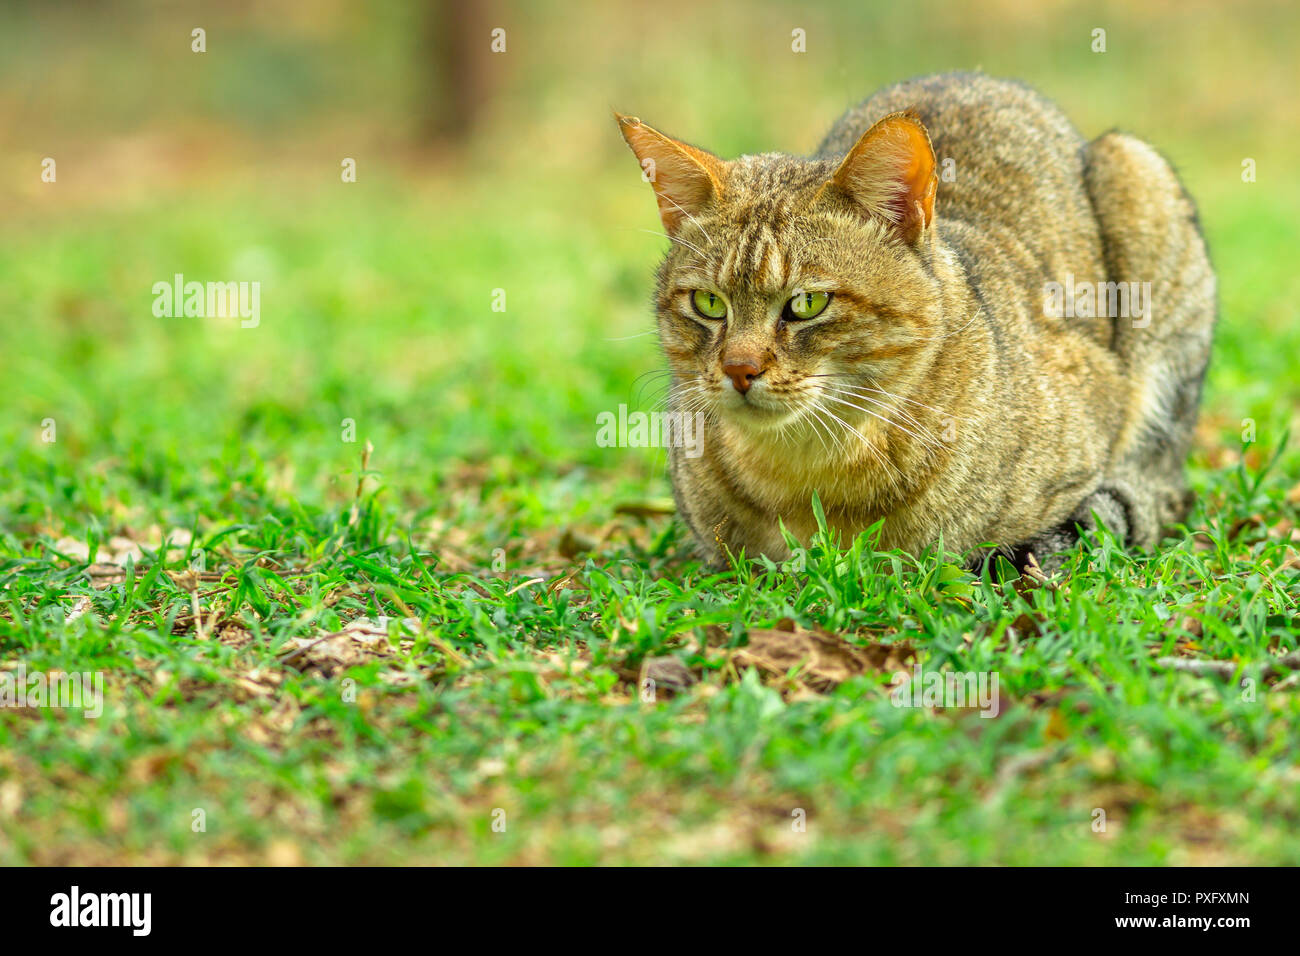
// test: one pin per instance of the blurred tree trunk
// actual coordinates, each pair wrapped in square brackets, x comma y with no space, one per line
[456,46]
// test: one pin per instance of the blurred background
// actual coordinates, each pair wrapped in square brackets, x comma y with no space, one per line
[479,171]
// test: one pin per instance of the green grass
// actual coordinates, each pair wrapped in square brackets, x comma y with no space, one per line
[488,514]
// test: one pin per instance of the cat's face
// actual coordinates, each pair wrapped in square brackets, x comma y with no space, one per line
[793,293]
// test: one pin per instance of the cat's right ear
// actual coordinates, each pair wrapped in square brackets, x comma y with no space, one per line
[890,173]
[685,179]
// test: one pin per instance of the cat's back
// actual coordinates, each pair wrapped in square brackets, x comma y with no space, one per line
[1010,166]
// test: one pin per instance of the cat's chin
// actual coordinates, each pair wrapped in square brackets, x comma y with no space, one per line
[751,416]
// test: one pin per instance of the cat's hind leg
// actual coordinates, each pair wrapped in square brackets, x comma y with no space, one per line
[1156,260]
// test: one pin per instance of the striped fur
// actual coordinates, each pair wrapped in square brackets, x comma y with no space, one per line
[933,392]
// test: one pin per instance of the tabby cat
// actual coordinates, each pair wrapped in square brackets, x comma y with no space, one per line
[873,324]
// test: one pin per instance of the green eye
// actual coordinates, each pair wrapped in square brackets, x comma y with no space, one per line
[807,305]
[708,305]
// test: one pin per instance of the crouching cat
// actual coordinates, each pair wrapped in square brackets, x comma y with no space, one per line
[957,316]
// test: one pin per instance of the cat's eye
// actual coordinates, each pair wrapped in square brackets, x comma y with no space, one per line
[807,305]
[708,304]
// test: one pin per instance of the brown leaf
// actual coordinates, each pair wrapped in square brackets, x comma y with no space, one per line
[1253,522]
[668,673]
[186,580]
[574,542]
[649,508]
[80,608]
[1057,728]
[823,660]
[361,640]
[1026,626]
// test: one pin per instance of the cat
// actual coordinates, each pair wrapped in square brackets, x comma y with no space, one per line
[874,324]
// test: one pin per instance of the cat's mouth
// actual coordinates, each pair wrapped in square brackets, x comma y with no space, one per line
[761,407]
[795,411]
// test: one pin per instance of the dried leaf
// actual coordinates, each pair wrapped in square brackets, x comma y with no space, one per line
[668,673]
[823,660]
[80,608]
[649,508]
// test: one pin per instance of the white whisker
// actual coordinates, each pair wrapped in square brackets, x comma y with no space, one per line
[880,391]
[683,242]
[626,338]
[901,412]
[690,217]
[926,440]
[875,452]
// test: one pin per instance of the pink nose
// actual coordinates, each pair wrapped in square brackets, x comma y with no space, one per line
[742,374]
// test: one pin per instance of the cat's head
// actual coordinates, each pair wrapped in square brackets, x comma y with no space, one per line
[795,289]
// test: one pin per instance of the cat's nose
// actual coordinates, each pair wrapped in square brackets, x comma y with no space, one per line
[742,374]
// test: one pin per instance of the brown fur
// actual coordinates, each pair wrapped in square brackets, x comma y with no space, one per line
[933,392]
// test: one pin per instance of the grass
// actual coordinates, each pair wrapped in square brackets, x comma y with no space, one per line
[517,578]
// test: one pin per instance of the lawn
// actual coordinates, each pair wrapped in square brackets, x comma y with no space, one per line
[363,588]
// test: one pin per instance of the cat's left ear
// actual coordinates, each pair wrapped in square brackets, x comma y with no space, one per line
[891,173]
[685,178]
